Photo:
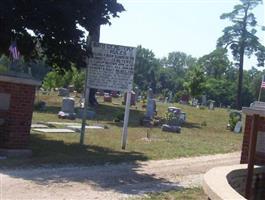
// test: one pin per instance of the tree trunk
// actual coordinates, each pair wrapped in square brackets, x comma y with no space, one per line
[240,80]
[92,94]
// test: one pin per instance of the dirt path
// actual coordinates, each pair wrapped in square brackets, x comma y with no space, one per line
[109,181]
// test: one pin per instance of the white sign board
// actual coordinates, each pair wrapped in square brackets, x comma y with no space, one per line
[111,67]
[260,146]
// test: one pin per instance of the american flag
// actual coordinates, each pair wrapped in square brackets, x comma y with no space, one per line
[14,51]
[263,82]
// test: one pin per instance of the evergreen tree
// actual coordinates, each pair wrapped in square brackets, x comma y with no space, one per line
[241,38]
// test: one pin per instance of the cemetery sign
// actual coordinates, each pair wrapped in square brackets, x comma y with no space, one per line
[111,67]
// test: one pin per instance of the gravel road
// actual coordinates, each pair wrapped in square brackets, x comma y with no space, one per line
[109,181]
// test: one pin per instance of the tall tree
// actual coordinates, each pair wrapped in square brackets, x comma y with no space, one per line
[54,24]
[241,38]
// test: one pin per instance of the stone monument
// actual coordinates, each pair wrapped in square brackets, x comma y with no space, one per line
[151,105]
[68,109]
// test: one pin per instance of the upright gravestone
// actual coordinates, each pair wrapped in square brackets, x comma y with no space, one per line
[151,105]
[211,105]
[68,109]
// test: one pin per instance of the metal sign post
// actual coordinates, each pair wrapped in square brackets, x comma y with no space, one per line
[86,96]
[126,118]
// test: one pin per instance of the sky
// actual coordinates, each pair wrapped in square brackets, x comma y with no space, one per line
[163,26]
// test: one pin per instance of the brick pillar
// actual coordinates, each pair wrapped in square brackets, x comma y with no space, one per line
[17,116]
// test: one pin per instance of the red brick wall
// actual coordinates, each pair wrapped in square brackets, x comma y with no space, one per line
[15,133]
[260,157]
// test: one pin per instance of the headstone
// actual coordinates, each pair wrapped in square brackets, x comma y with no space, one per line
[64,92]
[114,94]
[53,130]
[182,117]
[68,109]
[204,100]
[194,102]
[166,100]
[151,108]
[68,105]
[174,110]
[107,98]
[211,105]
[238,127]
[71,88]
[169,128]
[184,99]
[133,98]
[78,128]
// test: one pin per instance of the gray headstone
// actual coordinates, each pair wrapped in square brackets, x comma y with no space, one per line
[151,108]
[173,129]
[68,105]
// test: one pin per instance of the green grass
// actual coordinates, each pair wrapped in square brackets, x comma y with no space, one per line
[103,146]
[186,194]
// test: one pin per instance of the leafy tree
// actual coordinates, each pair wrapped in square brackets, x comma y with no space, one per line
[54,25]
[241,38]
[146,67]
[215,63]
[179,61]
[220,90]
[195,81]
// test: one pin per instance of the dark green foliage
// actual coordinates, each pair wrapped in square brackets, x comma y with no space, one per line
[216,63]
[54,25]
[146,68]
[195,79]
[241,39]
[234,117]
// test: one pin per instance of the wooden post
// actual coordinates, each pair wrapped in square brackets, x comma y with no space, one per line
[251,155]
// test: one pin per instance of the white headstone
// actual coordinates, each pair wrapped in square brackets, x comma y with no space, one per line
[211,106]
